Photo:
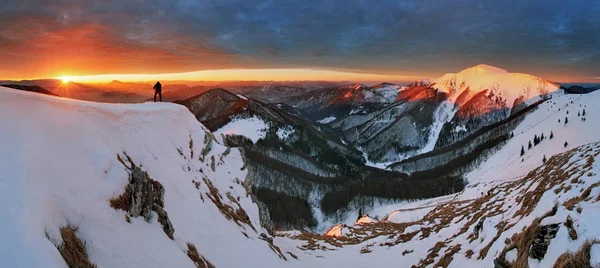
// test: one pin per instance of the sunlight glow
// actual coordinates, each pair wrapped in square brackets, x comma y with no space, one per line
[65,79]
[248,75]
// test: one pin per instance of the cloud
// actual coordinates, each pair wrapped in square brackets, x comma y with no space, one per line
[548,38]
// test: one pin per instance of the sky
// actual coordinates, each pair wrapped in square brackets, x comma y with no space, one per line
[297,40]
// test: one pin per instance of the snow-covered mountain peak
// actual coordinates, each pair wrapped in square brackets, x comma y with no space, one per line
[506,87]
[484,69]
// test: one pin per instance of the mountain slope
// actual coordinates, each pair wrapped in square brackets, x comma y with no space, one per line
[517,210]
[289,158]
[429,115]
[341,101]
[308,166]
[60,164]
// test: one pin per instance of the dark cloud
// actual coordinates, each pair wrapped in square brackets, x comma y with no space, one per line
[422,37]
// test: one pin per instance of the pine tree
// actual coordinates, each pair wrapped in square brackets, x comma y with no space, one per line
[529,145]
[544,160]
[566,120]
[536,140]
[551,135]
[522,150]
[360,213]
[578,114]
[542,137]
[512,134]
[566,144]
[583,112]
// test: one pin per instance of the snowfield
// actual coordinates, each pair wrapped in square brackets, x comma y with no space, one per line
[327,120]
[252,128]
[59,167]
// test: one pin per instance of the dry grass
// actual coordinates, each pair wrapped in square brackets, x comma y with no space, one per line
[365,250]
[448,257]
[581,258]
[237,215]
[571,203]
[198,259]
[292,255]
[123,201]
[501,227]
[572,231]
[73,250]
[430,258]
[469,253]
[523,241]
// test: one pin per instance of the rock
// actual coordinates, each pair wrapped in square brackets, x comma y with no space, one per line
[163,218]
[146,195]
[499,264]
[543,237]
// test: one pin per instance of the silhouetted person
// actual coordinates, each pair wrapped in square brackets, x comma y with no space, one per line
[158,90]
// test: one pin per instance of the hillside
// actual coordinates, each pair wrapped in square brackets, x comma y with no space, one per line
[62,161]
[517,210]
[293,162]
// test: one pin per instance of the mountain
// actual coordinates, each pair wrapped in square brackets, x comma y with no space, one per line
[278,92]
[577,89]
[320,177]
[335,102]
[431,115]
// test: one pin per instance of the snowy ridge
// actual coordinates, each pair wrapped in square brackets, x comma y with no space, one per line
[59,167]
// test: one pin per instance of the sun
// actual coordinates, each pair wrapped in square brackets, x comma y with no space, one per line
[65,79]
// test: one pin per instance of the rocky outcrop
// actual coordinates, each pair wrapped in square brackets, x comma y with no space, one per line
[543,237]
[142,196]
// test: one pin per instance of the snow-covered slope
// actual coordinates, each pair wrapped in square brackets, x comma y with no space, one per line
[536,221]
[59,167]
[548,120]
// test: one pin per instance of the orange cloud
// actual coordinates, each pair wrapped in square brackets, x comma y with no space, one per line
[48,48]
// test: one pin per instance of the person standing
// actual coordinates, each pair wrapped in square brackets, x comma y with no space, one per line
[158,90]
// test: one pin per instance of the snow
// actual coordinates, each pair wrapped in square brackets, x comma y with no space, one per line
[337,230]
[241,96]
[327,120]
[385,94]
[595,253]
[252,128]
[58,166]
[443,114]
[460,128]
[285,132]
[508,86]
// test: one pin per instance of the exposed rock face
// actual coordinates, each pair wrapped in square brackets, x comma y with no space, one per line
[144,195]
[543,237]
